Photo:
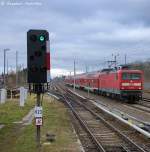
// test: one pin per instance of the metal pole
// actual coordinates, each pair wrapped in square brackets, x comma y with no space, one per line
[125,59]
[115,61]
[16,68]
[50,59]
[38,135]
[86,68]
[88,89]
[74,74]
[7,66]
[4,65]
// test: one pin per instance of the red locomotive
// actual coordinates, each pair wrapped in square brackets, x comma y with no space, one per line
[119,83]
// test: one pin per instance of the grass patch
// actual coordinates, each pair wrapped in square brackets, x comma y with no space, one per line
[11,111]
[56,121]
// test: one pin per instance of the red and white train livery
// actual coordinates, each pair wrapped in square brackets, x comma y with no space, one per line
[120,83]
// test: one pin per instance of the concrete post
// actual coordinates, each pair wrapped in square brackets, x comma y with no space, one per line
[3,95]
[22,96]
[25,93]
[11,94]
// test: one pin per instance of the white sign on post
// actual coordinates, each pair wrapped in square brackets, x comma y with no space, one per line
[38,112]
[38,121]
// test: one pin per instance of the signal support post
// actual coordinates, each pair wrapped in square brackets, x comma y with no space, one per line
[38,67]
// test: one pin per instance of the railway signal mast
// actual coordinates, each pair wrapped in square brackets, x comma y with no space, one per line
[38,67]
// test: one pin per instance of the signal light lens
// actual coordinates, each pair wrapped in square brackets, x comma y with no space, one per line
[43,47]
[42,38]
[31,58]
[33,38]
[43,69]
[38,53]
[33,69]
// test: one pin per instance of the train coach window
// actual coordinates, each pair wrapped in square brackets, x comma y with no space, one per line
[131,76]
[135,76]
[125,76]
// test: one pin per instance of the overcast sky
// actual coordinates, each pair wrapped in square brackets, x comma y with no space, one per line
[89,31]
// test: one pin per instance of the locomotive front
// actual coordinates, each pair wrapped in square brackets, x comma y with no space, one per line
[131,84]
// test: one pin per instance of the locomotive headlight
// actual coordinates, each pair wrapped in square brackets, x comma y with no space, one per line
[137,84]
[125,84]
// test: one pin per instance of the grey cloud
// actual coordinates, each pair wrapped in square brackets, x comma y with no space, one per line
[88,31]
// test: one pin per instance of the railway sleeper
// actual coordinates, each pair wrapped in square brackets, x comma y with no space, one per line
[115,148]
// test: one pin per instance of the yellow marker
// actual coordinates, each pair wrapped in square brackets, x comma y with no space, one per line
[141,125]
[130,122]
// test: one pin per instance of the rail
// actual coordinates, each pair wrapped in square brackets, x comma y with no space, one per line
[70,100]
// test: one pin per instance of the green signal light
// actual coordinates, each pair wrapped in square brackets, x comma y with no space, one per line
[42,38]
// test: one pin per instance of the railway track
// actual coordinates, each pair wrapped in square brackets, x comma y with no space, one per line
[139,110]
[146,102]
[143,105]
[146,99]
[105,133]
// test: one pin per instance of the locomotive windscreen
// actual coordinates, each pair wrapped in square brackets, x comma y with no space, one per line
[131,76]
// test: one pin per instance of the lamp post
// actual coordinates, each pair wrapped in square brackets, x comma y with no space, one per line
[16,68]
[5,50]
[74,76]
